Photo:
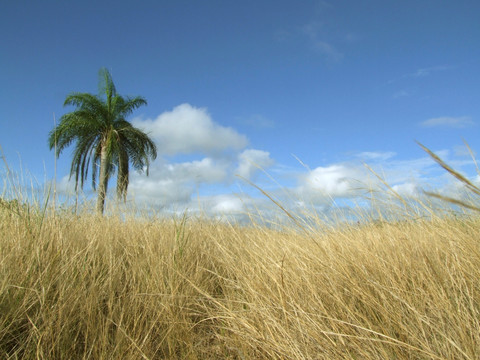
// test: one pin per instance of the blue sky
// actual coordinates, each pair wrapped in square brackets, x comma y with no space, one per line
[232,85]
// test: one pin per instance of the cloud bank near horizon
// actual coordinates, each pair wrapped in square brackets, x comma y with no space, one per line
[211,182]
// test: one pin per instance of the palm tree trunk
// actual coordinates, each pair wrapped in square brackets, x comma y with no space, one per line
[102,182]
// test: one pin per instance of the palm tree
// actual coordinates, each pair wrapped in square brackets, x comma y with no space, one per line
[103,137]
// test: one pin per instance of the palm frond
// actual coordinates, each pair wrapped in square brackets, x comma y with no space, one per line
[140,147]
[128,105]
[72,126]
[106,87]
[83,101]
[82,157]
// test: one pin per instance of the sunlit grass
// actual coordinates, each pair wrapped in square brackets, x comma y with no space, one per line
[80,286]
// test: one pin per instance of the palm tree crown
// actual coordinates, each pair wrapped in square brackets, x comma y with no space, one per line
[103,138]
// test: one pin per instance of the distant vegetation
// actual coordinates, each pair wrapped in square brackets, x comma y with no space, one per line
[11,205]
[103,138]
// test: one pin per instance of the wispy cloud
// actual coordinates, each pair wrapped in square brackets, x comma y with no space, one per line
[422,73]
[322,5]
[401,94]
[282,35]
[318,42]
[327,49]
[318,34]
[447,121]
[427,71]
[376,155]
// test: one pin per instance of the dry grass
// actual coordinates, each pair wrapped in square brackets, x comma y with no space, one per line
[88,288]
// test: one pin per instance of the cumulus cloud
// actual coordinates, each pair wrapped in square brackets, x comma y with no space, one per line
[251,160]
[206,170]
[331,181]
[353,180]
[227,204]
[187,129]
[203,185]
[190,130]
[170,184]
[160,192]
[176,183]
[446,121]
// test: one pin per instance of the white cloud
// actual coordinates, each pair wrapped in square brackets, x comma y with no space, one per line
[331,181]
[227,204]
[353,180]
[190,130]
[159,192]
[170,184]
[206,170]
[455,122]
[66,185]
[251,160]
[176,183]
[408,189]
[187,129]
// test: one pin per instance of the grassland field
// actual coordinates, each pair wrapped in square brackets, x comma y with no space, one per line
[86,287]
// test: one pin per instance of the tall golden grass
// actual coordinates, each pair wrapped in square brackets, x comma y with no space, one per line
[83,287]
